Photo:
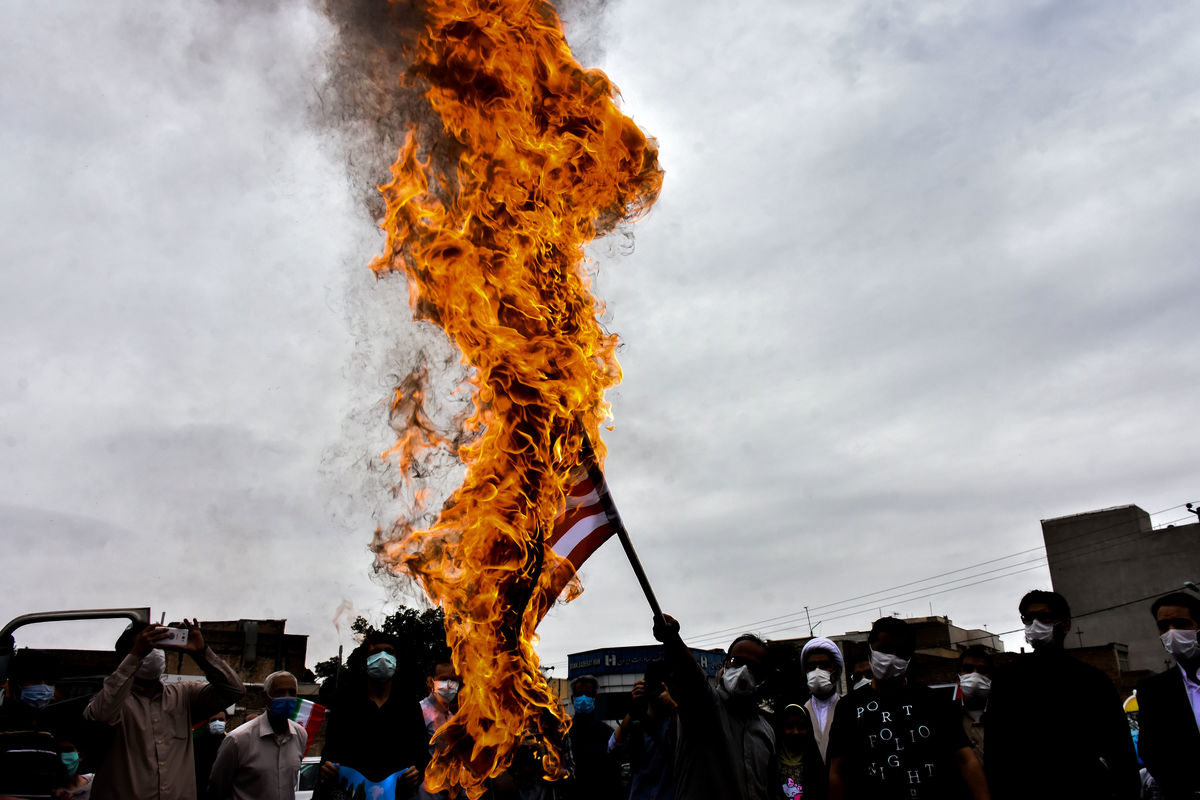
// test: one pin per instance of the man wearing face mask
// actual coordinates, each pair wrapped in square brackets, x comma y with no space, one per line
[207,741]
[860,674]
[726,746]
[152,754]
[896,739]
[1055,726]
[438,706]
[822,663]
[29,756]
[375,726]
[596,772]
[1169,703]
[260,760]
[975,685]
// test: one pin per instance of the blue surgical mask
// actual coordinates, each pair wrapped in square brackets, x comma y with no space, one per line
[282,707]
[381,666]
[38,695]
[585,704]
[216,727]
[71,762]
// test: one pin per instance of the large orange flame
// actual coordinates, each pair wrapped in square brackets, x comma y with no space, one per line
[493,253]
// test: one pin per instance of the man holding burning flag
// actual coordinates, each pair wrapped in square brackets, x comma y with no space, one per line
[726,746]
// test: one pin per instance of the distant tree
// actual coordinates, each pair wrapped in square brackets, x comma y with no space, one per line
[422,635]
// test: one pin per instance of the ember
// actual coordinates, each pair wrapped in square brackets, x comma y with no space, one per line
[493,251]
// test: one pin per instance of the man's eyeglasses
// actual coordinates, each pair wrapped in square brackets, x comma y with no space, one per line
[1041,616]
[1178,623]
[757,669]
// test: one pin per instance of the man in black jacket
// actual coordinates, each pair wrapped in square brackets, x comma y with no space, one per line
[1055,728]
[1169,703]
[375,727]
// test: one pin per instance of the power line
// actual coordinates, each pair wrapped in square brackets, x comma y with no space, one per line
[791,621]
[885,600]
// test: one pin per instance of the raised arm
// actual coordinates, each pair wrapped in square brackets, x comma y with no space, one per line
[688,682]
[224,687]
[106,705]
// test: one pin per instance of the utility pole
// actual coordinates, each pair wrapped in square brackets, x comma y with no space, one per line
[1079,633]
[807,617]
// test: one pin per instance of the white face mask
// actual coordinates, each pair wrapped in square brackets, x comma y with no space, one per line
[861,682]
[447,690]
[820,682]
[975,686]
[887,667]
[738,681]
[217,727]
[1038,632]
[1182,645]
[151,668]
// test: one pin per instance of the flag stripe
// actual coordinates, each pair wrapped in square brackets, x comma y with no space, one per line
[574,516]
[579,532]
[583,525]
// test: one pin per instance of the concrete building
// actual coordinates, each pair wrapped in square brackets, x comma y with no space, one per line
[1110,565]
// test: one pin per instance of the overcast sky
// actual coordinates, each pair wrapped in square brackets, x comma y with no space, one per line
[921,275]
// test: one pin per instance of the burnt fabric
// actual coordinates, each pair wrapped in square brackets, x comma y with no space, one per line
[1055,728]
[1168,738]
[898,744]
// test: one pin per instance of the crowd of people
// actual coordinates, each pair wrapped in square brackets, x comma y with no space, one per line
[1042,725]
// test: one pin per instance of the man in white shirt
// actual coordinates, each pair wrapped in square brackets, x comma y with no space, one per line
[261,759]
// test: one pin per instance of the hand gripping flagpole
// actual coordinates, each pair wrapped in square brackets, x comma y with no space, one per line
[614,519]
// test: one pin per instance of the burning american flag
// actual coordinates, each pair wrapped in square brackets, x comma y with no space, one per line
[533,160]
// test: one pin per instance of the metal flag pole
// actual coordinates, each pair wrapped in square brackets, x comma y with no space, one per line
[614,519]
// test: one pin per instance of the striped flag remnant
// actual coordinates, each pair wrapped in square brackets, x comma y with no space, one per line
[589,519]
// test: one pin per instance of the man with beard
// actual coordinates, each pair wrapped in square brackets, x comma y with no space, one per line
[896,739]
[726,746]
[152,753]
[822,663]
[1169,703]
[1055,725]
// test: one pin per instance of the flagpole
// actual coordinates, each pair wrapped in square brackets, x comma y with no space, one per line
[614,518]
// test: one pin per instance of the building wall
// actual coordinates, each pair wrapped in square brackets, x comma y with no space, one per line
[1107,558]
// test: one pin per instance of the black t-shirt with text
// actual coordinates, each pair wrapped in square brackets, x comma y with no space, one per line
[900,744]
